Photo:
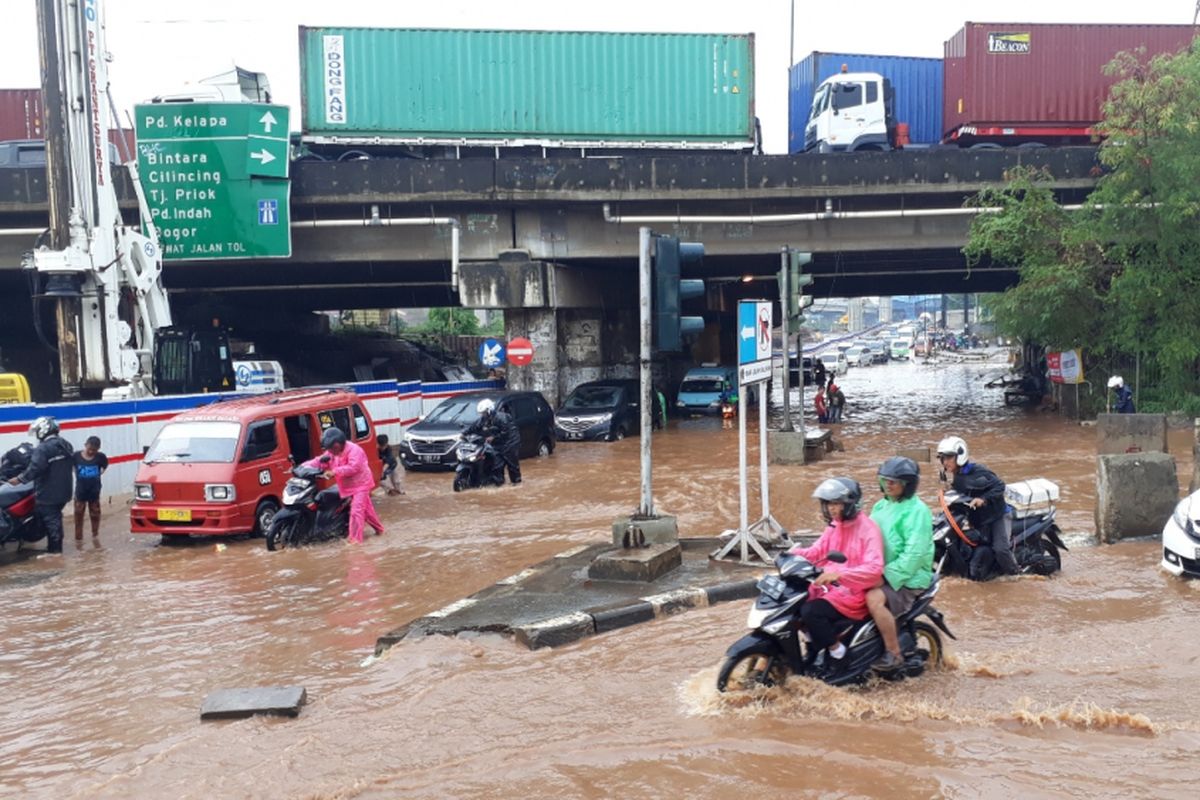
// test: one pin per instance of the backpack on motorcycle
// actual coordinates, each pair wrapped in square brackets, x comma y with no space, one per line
[15,461]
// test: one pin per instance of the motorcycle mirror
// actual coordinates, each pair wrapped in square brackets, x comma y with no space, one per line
[836,556]
[291,459]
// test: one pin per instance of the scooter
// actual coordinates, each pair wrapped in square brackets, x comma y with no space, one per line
[17,520]
[476,463]
[778,645]
[961,550]
[308,515]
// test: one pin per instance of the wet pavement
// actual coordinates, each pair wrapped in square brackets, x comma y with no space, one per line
[1077,684]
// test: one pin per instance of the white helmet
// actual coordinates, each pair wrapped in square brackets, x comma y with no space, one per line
[1116,382]
[485,406]
[954,446]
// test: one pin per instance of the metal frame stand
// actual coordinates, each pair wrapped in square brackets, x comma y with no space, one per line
[767,527]
[744,538]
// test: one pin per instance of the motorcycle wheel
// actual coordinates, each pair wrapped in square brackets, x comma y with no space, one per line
[281,534]
[460,482]
[929,647]
[740,674]
[1050,552]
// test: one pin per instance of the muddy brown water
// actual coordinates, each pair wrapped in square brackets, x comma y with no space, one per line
[1081,684]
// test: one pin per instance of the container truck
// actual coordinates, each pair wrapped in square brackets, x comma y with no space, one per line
[430,92]
[21,114]
[915,83]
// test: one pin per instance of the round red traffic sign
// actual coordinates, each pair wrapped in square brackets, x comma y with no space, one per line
[520,351]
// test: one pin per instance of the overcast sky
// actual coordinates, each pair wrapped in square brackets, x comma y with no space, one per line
[158,45]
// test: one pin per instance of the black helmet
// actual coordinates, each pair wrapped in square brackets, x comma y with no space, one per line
[905,470]
[839,490]
[332,436]
[43,427]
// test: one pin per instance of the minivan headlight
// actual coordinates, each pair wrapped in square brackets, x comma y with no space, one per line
[219,492]
[1180,515]
[143,491]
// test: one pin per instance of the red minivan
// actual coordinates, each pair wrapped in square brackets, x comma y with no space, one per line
[221,469]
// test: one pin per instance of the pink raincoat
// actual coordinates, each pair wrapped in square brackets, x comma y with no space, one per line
[860,540]
[351,469]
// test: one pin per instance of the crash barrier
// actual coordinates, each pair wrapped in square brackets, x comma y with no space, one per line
[127,427]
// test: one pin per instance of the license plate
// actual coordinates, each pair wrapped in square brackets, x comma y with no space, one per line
[1198,553]
[175,515]
[574,435]
[430,459]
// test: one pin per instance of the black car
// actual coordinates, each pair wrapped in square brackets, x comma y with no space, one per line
[609,410]
[430,443]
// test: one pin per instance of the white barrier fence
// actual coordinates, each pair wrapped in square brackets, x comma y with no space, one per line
[127,427]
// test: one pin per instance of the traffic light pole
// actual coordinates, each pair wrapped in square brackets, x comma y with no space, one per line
[784,307]
[646,507]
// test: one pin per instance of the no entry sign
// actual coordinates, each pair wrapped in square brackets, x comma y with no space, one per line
[520,351]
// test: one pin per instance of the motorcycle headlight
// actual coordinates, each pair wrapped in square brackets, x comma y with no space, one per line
[219,492]
[680,404]
[1180,515]
[143,491]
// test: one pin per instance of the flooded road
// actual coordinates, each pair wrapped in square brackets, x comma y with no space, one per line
[1078,684]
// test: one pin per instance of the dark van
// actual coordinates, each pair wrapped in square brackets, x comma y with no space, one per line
[431,442]
[608,410]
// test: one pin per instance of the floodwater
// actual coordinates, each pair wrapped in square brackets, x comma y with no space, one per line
[1080,684]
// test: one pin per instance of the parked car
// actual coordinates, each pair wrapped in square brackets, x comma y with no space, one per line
[431,442]
[608,410]
[858,356]
[220,469]
[701,389]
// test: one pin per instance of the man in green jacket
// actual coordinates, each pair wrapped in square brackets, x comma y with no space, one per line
[907,527]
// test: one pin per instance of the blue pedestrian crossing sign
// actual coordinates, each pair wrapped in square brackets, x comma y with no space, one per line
[755,322]
[491,353]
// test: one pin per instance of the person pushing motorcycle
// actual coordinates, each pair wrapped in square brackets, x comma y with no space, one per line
[50,469]
[988,512]
[907,527]
[347,463]
[499,428]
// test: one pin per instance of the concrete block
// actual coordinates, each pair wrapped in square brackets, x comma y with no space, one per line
[555,632]
[733,590]
[1117,434]
[921,455]
[611,619]
[241,703]
[663,529]
[636,564]
[1135,494]
[786,447]
[816,444]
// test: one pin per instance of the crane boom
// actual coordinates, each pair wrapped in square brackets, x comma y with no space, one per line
[105,275]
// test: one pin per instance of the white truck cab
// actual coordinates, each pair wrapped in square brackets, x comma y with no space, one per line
[235,86]
[851,111]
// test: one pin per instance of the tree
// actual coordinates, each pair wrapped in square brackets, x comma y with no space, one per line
[452,321]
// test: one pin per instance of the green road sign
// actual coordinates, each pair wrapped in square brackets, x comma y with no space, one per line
[216,179]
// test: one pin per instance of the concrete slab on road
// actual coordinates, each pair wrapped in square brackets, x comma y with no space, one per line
[555,602]
[241,703]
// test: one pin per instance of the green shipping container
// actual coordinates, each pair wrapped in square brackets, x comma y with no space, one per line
[508,88]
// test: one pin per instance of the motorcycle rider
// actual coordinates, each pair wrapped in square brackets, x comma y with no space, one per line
[1124,404]
[907,527]
[347,463]
[498,428]
[51,465]
[839,593]
[988,512]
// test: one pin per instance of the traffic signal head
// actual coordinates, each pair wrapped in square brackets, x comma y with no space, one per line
[670,258]
[797,301]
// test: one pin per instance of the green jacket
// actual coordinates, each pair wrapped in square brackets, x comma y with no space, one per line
[907,528]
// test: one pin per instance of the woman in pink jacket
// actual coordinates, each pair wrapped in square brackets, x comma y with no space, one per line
[839,594]
[347,463]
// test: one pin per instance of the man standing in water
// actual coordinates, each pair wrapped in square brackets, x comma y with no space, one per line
[988,511]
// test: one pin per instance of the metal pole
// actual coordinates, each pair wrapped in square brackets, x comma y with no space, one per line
[787,357]
[762,451]
[646,507]
[792,34]
[743,490]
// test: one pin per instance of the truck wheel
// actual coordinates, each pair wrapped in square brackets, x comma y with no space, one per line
[264,515]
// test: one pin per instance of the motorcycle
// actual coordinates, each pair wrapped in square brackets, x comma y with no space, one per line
[308,515]
[961,550]
[17,521]
[778,645]
[476,464]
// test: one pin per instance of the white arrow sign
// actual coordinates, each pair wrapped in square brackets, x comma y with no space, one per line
[263,156]
[491,355]
[747,332]
[268,120]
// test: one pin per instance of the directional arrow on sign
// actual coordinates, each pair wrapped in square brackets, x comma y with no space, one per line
[263,156]
[268,120]
[747,332]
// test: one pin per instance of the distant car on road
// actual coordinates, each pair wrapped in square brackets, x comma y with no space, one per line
[701,389]
[431,442]
[858,356]
[608,410]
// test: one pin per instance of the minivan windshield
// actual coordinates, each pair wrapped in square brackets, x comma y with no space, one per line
[195,443]
[455,411]
[702,385]
[593,397]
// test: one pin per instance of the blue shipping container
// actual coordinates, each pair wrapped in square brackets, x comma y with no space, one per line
[917,83]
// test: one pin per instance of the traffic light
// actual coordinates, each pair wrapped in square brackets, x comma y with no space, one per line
[797,301]
[671,256]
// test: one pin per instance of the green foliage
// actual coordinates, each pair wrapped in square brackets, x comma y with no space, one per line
[452,321]
[1121,275]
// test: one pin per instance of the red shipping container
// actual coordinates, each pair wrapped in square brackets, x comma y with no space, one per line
[21,114]
[1049,79]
